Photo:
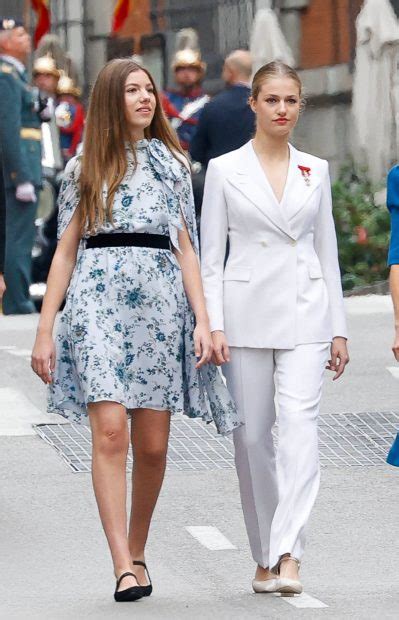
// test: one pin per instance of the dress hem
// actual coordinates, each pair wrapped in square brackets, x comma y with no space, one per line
[81,417]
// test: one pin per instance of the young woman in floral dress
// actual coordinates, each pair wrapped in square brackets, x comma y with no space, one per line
[134,334]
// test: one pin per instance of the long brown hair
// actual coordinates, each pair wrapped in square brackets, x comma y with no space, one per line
[104,160]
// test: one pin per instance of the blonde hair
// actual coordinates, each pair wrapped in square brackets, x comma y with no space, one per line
[104,159]
[272,70]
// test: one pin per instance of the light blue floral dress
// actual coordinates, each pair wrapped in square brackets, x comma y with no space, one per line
[126,331]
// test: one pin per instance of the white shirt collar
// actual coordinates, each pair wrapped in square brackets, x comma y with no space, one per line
[20,67]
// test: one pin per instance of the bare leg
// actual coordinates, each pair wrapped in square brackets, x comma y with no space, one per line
[150,434]
[110,434]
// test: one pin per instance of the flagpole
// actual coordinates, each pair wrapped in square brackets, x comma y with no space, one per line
[29,28]
[28,16]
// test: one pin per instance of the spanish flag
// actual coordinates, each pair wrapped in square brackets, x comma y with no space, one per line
[42,10]
[121,11]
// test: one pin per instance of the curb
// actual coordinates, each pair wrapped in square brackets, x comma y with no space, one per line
[378,288]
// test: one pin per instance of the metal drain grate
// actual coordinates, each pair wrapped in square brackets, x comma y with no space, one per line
[193,445]
[346,440]
[356,439]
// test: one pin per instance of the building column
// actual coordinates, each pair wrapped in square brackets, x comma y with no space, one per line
[290,21]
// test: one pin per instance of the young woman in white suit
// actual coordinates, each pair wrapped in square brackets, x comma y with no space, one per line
[277,317]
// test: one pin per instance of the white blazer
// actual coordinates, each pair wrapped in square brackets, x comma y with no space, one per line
[281,285]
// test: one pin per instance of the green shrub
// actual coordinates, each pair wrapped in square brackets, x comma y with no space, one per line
[363,228]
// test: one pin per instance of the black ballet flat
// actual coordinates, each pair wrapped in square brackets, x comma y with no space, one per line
[147,590]
[130,594]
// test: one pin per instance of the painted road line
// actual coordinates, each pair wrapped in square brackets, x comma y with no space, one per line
[210,537]
[304,601]
[394,370]
[18,414]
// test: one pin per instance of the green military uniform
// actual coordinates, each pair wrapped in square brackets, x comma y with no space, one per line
[20,137]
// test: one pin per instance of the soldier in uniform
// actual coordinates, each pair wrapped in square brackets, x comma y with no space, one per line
[45,78]
[20,137]
[183,105]
[70,116]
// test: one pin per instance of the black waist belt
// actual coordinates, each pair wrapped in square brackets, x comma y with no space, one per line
[117,240]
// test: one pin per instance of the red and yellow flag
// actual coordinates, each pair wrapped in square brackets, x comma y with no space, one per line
[121,11]
[42,10]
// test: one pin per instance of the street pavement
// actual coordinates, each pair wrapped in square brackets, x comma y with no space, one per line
[54,561]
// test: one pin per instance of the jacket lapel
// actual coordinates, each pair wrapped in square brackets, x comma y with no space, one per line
[297,190]
[251,181]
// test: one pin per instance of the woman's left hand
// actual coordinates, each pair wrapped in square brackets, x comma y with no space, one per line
[202,344]
[339,357]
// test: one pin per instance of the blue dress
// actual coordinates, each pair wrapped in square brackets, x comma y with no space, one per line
[393,206]
[126,331]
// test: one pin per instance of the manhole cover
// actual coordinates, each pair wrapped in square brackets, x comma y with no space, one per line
[346,440]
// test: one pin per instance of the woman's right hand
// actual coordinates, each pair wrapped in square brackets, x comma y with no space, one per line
[43,357]
[221,353]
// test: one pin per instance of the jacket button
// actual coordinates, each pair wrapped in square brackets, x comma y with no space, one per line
[293,242]
[263,244]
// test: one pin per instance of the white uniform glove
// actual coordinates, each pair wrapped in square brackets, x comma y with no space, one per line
[47,113]
[26,192]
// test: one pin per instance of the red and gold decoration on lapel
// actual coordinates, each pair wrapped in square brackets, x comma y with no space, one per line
[121,11]
[42,10]
[305,171]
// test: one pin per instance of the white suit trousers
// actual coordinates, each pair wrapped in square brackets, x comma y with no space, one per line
[277,490]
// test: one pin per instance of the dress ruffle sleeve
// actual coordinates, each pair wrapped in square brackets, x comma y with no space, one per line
[175,176]
[68,198]
[205,393]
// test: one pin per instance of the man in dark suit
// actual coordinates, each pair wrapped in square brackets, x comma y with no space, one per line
[20,138]
[227,122]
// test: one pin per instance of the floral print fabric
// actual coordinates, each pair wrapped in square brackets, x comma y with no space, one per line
[126,332]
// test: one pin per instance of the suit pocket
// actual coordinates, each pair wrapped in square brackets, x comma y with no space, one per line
[315,271]
[241,274]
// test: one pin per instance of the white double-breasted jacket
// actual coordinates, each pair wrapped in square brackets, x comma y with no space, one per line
[281,284]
